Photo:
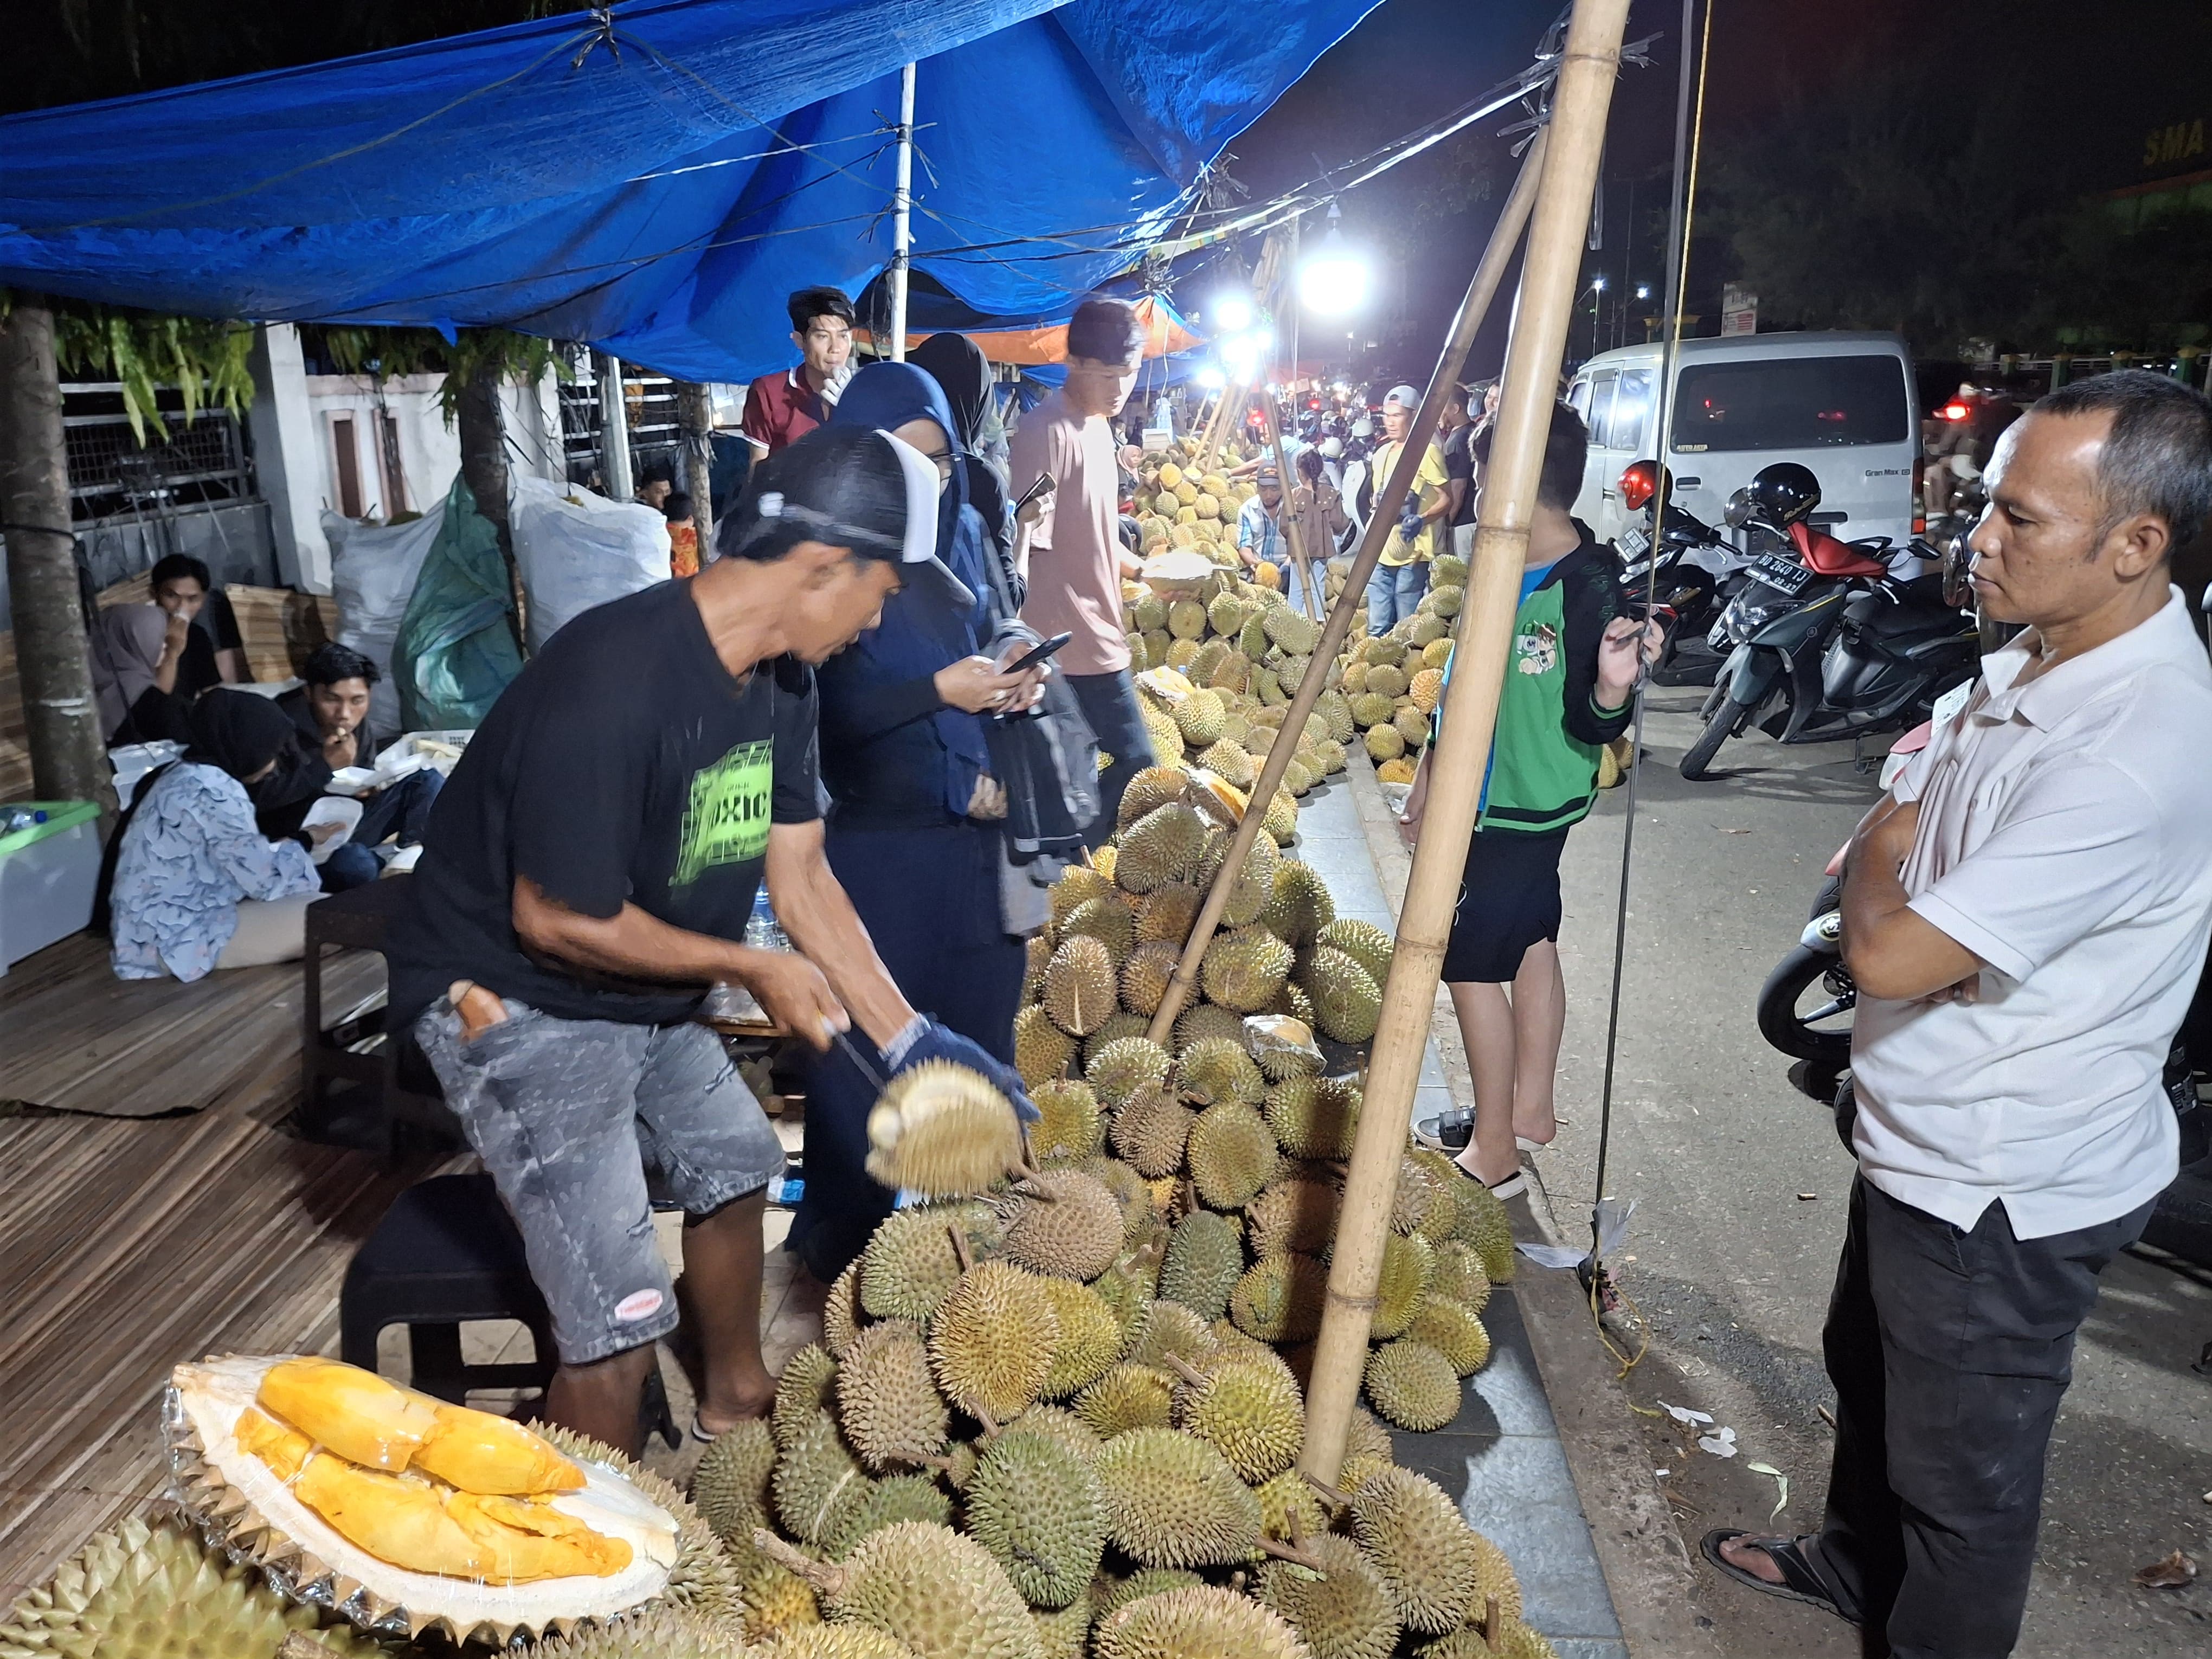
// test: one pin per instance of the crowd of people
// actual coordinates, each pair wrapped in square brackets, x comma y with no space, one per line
[824,711]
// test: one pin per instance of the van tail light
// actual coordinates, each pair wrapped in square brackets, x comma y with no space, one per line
[1919,501]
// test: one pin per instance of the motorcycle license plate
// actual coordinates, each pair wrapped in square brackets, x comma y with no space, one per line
[1784,574]
[1633,543]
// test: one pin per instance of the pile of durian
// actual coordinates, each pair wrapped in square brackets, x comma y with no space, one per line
[1179,507]
[1394,681]
[1061,1416]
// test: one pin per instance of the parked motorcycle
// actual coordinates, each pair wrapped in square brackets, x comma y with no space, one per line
[1692,572]
[1807,1007]
[1830,643]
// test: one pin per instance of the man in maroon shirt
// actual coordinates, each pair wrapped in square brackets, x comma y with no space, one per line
[784,407]
[1077,560]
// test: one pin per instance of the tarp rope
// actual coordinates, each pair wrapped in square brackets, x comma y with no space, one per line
[1689,133]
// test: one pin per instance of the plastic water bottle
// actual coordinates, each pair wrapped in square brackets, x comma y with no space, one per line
[763,931]
[13,818]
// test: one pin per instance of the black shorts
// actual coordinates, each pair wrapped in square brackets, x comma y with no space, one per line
[1509,899]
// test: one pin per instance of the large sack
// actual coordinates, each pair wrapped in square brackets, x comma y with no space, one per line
[577,549]
[372,573]
[456,648]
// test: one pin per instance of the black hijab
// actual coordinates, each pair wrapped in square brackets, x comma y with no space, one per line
[956,363]
[241,732]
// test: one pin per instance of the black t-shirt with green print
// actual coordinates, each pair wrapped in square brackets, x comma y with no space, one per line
[624,765]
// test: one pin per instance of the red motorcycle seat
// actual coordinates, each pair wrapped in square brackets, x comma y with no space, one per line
[1824,555]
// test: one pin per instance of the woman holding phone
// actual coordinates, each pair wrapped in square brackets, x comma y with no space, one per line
[913,831]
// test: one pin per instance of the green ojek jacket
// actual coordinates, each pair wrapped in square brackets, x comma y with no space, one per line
[1543,768]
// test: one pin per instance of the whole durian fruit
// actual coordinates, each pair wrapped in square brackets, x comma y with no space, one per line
[1231,1154]
[1125,1066]
[1411,1532]
[1151,1130]
[1092,1339]
[1039,1508]
[1069,1123]
[1173,1501]
[1064,1224]
[991,1340]
[1145,976]
[1081,987]
[1364,942]
[1191,1622]
[887,1401]
[1128,1397]
[1343,1612]
[1245,1407]
[1244,968]
[941,1593]
[1454,1331]
[157,1592]
[1214,1070]
[1165,845]
[661,1633]
[729,1487]
[1041,1050]
[1205,1260]
[1280,1298]
[1347,1002]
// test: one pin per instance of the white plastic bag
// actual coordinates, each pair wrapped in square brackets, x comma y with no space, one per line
[578,550]
[372,573]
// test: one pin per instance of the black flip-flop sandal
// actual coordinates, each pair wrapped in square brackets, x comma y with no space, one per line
[1800,1582]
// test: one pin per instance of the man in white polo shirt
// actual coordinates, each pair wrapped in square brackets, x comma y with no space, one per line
[2026,915]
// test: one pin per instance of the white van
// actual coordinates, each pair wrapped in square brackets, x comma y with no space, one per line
[1841,404]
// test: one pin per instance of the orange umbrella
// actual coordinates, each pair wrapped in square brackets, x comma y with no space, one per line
[1165,332]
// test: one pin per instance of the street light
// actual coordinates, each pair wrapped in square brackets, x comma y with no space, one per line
[1212,378]
[1229,313]
[1336,280]
[1596,289]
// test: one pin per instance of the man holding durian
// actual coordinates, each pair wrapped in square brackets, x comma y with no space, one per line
[586,877]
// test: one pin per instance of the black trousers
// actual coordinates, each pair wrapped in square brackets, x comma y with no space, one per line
[1110,704]
[1950,1352]
[929,899]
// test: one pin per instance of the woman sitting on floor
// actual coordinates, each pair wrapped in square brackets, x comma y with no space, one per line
[196,886]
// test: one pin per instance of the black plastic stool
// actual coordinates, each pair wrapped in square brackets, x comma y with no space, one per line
[447,1252]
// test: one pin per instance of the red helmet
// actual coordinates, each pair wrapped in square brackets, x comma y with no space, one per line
[1639,482]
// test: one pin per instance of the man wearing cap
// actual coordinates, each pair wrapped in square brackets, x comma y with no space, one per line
[588,873]
[1260,536]
[1402,576]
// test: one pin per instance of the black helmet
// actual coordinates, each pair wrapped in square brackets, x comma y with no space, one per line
[1785,493]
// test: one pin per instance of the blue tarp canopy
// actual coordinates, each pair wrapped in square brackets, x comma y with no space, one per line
[657,188]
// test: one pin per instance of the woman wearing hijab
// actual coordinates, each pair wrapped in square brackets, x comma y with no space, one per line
[956,363]
[136,652]
[196,886]
[913,826]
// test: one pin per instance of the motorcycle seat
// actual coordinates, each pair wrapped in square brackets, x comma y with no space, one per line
[1826,557]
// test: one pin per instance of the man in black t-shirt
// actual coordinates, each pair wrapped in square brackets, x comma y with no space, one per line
[586,875]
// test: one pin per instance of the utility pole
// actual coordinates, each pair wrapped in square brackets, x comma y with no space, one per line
[902,215]
[614,432]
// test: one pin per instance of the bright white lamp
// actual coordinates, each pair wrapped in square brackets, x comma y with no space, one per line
[1335,280]
[1229,313]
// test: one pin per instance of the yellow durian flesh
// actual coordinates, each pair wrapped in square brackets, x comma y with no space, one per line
[283,1449]
[480,1453]
[395,1518]
[528,1541]
[354,1412]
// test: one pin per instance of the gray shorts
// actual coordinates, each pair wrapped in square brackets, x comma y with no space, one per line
[572,1117]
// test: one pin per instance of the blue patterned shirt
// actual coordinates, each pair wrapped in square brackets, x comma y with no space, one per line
[1260,532]
[190,855]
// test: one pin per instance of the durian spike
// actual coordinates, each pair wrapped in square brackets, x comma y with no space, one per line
[1294,1555]
[1493,1628]
[826,1577]
[1237,1580]
[300,1645]
[1328,1494]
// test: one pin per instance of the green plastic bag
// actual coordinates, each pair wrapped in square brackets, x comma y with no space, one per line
[456,650]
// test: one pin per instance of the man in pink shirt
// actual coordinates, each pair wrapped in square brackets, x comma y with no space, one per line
[1076,560]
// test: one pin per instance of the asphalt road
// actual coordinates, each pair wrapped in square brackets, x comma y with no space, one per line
[1742,1185]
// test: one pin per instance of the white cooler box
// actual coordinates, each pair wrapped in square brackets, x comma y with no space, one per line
[47,874]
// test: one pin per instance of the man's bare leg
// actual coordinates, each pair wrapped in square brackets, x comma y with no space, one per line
[720,1295]
[1486,1028]
[601,1398]
[1539,1021]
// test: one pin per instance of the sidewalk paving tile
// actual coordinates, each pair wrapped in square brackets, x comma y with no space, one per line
[1501,1457]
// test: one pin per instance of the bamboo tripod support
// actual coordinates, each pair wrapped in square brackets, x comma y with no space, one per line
[1548,282]
[1489,274]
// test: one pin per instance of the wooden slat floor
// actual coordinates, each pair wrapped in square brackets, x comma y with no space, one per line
[131,1242]
[75,1038]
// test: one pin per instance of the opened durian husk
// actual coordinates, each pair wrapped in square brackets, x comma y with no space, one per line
[243,1508]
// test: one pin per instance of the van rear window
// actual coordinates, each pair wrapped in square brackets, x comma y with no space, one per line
[1791,403]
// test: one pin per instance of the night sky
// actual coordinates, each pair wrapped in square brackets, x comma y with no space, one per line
[2107,71]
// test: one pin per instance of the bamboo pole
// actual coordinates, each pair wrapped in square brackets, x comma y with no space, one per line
[1489,274]
[1548,284]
